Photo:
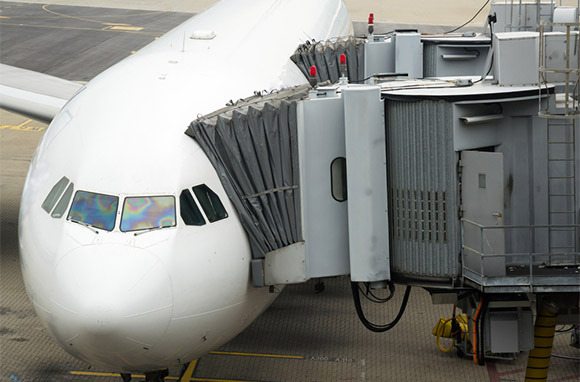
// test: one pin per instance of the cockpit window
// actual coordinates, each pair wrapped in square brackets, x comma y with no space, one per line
[210,202]
[63,202]
[54,194]
[190,213]
[148,212]
[96,210]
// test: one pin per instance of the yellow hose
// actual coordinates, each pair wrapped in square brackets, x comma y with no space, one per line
[539,356]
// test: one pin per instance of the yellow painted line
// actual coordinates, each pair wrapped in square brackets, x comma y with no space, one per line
[124,28]
[24,126]
[156,35]
[189,371]
[99,374]
[104,375]
[259,355]
[4,17]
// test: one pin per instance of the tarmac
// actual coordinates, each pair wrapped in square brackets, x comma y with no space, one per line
[303,336]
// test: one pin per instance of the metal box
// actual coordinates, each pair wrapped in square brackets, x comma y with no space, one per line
[459,58]
[409,54]
[516,58]
[509,330]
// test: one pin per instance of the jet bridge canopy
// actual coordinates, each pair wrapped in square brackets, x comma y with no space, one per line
[253,146]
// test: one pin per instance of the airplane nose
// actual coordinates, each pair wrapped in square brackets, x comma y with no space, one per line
[113,302]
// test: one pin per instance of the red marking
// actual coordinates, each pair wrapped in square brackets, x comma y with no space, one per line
[313,71]
[343,59]
[371,18]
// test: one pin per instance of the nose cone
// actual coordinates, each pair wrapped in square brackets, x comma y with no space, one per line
[113,304]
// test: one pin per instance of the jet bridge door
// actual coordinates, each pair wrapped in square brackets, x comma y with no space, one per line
[482,194]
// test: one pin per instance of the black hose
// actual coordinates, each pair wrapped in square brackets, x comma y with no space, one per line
[372,326]
[481,357]
[470,20]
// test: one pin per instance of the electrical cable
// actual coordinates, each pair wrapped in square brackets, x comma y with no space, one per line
[490,21]
[470,20]
[378,328]
[474,334]
[482,334]
[379,300]
[369,296]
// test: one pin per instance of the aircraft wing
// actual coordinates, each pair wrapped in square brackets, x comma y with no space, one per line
[34,94]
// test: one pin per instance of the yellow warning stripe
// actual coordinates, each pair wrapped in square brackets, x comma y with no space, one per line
[189,371]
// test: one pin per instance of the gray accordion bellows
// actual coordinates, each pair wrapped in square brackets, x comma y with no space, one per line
[254,148]
[325,55]
[424,225]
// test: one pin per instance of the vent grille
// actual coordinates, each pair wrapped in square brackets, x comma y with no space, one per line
[420,215]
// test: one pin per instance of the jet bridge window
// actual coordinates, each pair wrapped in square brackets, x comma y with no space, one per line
[148,212]
[54,194]
[338,179]
[95,210]
[190,212]
[210,202]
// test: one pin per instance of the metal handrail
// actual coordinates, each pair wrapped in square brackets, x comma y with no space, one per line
[531,256]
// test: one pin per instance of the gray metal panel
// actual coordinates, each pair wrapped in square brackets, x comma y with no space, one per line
[321,141]
[424,224]
[285,265]
[409,54]
[503,331]
[367,183]
[379,57]
[442,60]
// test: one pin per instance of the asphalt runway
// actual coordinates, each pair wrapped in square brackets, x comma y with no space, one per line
[303,336]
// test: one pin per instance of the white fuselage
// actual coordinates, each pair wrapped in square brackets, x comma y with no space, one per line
[143,302]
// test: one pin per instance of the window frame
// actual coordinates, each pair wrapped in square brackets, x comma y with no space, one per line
[343,180]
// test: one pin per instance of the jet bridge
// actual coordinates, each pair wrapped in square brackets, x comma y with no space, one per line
[420,181]
[464,186]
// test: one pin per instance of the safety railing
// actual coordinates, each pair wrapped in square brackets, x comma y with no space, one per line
[559,64]
[516,257]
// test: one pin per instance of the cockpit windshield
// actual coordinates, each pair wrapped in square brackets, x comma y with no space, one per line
[96,210]
[148,212]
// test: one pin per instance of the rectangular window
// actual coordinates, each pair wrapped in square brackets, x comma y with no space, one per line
[148,212]
[96,210]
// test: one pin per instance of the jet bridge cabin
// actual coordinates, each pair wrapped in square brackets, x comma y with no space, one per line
[419,181]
